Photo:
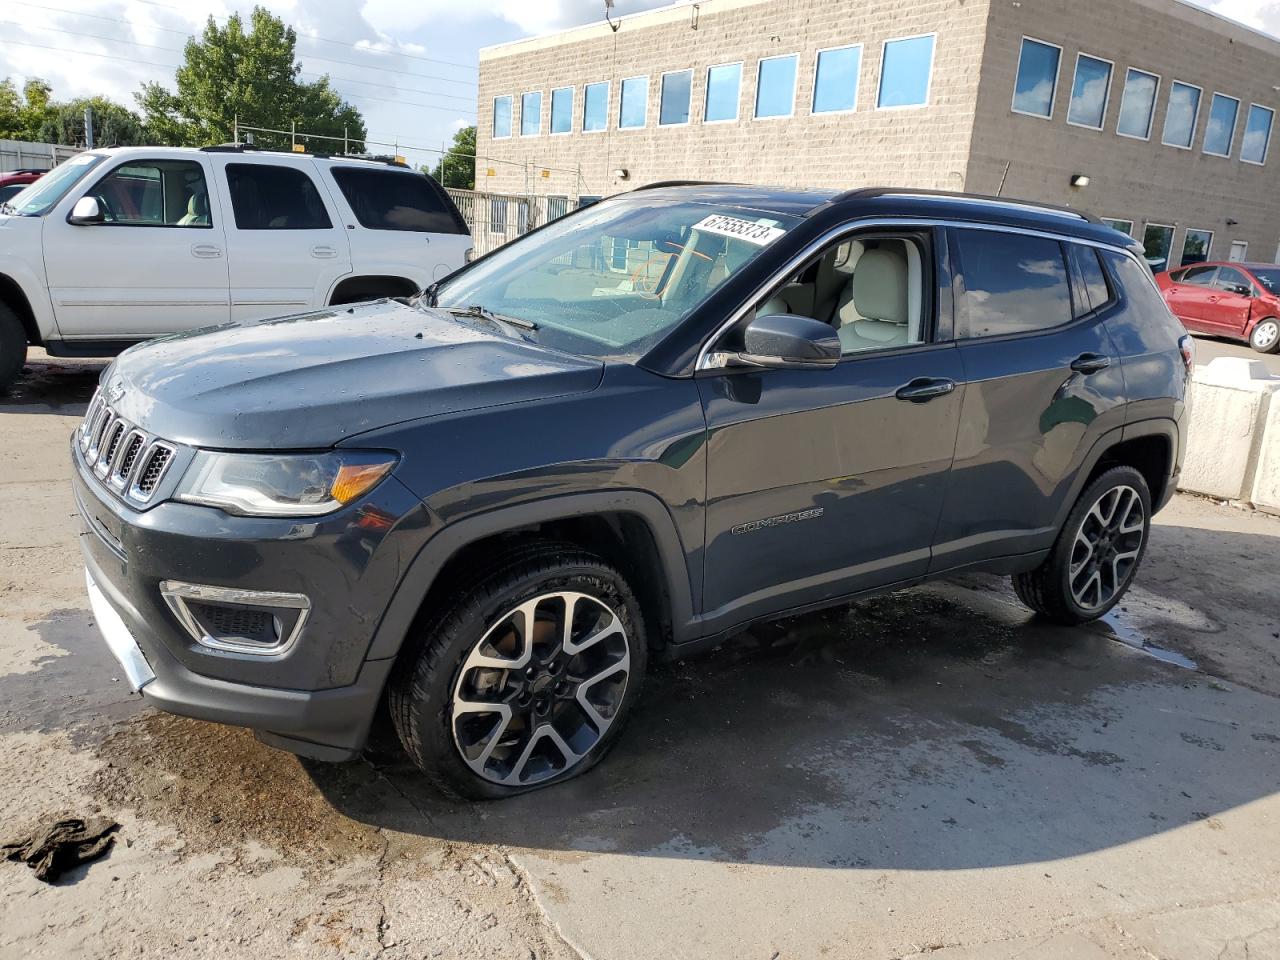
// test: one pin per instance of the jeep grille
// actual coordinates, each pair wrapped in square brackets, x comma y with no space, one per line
[129,460]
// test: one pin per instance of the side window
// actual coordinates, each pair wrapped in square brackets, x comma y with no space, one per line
[873,290]
[387,200]
[1231,279]
[155,193]
[1013,283]
[1198,276]
[1136,284]
[270,197]
[1097,293]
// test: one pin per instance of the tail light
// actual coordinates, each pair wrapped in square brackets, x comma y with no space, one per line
[1187,347]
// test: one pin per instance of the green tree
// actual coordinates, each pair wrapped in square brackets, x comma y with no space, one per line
[113,125]
[228,73]
[457,166]
[23,113]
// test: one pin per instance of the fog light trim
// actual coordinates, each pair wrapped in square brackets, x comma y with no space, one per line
[176,594]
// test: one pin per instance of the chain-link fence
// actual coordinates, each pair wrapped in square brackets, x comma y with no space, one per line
[496,218]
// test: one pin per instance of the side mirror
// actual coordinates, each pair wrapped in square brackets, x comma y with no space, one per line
[788,341]
[86,212]
[1239,289]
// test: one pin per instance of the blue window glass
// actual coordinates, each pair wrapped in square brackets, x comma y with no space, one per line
[724,85]
[562,110]
[501,117]
[674,105]
[776,87]
[905,69]
[530,114]
[1257,134]
[1138,104]
[1089,92]
[1180,121]
[1221,130]
[595,106]
[1037,80]
[633,108]
[835,80]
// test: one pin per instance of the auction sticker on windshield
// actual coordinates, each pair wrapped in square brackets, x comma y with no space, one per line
[759,232]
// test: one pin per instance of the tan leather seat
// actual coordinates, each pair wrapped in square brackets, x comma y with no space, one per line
[197,214]
[873,310]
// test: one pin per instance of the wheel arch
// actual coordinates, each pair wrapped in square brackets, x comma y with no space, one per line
[371,286]
[15,298]
[1149,446]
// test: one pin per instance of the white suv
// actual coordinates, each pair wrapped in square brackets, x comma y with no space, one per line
[120,245]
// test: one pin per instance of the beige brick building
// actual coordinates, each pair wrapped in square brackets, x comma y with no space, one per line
[1167,110]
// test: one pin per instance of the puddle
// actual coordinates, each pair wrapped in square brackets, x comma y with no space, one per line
[1115,626]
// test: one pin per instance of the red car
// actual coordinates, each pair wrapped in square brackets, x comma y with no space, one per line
[1237,300]
[12,184]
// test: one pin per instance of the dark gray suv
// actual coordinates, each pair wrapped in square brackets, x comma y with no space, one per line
[627,435]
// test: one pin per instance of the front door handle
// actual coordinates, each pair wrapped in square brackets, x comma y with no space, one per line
[323,253]
[924,389]
[206,251]
[1090,363]
[1214,299]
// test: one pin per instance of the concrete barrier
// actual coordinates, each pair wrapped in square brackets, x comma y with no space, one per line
[1233,437]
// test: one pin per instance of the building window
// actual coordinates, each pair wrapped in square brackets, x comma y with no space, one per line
[1124,226]
[562,110]
[835,79]
[1196,246]
[1089,92]
[633,106]
[1257,134]
[906,71]
[1037,81]
[673,105]
[585,201]
[1138,105]
[776,87]
[501,118]
[1221,131]
[531,114]
[1180,120]
[595,107]
[724,85]
[1157,243]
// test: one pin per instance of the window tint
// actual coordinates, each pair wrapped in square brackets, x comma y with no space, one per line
[562,110]
[1138,104]
[1157,243]
[1180,120]
[674,106]
[1195,248]
[1141,294]
[835,80]
[1097,294]
[385,200]
[1230,277]
[905,69]
[1197,276]
[1269,277]
[154,193]
[268,197]
[1013,284]
[633,109]
[1221,131]
[501,117]
[723,86]
[1037,79]
[530,114]
[1089,92]
[1257,135]
[776,87]
[595,106]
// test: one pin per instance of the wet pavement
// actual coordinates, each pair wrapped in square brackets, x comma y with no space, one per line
[934,771]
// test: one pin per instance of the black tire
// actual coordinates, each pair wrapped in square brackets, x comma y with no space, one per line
[1265,337]
[421,691]
[13,347]
[1048,589]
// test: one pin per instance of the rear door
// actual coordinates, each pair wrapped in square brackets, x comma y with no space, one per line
[1229,301]
[287,246]
[1188,297]
[1043,383]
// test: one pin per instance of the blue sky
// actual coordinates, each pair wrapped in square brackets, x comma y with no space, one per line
[408,65]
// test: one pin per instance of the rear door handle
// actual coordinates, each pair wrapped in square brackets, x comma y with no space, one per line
[1090,363]
[924,389]
[206,251]
[324,253]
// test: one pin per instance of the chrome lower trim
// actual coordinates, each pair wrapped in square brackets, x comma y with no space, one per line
[119,640]
[176,594]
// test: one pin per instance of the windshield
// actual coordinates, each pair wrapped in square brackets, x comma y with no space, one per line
[1269,277]
[613,280]
[37,199]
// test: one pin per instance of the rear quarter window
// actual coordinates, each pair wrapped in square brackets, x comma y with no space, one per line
[391,200]
[1145,309]
[1013,283]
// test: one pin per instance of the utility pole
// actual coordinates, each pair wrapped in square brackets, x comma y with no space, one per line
[88,128]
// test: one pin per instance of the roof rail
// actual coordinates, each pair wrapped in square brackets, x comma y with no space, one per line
[230,148]
[1005,202]
[659,184]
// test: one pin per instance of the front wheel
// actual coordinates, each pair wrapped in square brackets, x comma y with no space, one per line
[13,347]
[1097,553]
[1266,336]
[525,680]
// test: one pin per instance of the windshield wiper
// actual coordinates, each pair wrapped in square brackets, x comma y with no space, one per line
[478,312]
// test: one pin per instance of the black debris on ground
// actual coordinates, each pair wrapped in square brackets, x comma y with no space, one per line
[57,844]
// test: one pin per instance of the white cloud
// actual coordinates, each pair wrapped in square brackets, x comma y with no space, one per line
[1255,13]
[530,16]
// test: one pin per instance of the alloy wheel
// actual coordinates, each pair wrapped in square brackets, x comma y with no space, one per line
[1106,548]
[1265,334]
[539,690]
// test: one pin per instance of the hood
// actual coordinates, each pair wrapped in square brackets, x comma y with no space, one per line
[311,380]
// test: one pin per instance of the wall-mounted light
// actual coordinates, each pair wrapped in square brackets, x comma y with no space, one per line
[622,173]
[1232,223]
[1079,180]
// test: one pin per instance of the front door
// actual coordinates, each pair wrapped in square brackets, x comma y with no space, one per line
[1229,302]
[156,264]
[1188,296]
[821,483]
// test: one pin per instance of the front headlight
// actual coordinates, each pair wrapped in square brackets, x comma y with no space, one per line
[283,485]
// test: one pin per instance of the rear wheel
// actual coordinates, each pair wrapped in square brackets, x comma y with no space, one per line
[524,681]
[1097,552]
[1266,336]
[13,346]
